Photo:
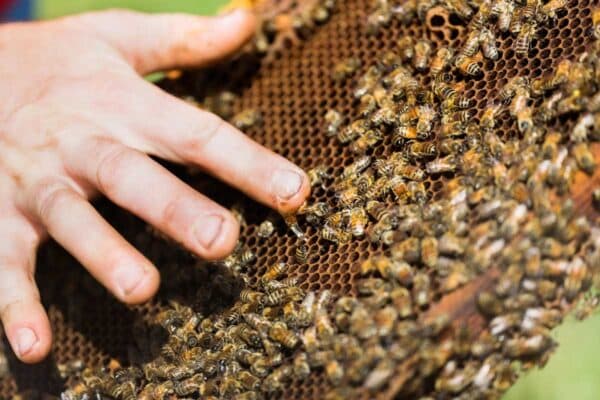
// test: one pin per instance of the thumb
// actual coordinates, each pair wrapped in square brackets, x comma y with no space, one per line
[162,41]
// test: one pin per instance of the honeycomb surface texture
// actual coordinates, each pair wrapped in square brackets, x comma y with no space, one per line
[293,93]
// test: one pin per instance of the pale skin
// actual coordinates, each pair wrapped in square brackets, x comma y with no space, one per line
[78,120]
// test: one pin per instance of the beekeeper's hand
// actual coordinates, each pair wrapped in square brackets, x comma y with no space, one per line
[76,119]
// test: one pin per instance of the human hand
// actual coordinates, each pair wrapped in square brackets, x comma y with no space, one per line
[76,119]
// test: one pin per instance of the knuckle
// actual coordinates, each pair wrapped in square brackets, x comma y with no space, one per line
[197,143]
[170,212]
[114,159]
[50,196]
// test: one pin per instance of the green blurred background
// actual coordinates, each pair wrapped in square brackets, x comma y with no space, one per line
[572,373]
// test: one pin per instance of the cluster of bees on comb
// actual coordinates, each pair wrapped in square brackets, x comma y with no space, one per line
[505,210]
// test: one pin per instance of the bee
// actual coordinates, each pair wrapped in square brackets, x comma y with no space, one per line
[530,346]
[596,23]
[334,372]
[345,68]
[471,45]
[408,250]
[251,296]
[406,46]
[550,145]
[429,251]
[469,65]
[247,257]
[318,175]
[277,379]
[422,54]
[442,165]
[450,245]
[504,10]
[488,44]
[357,221]
[247,119]
[461,8]
[356,167]
[367,82]
[353,131]
[314,212]
[421,291]
[410,172]
[349,197]
[596,199]
[402,134]
[366,141]
[524,38]
[379,18]
[300,366]
[324,327]
[334,121]
[186,387]
[265,229]
[503,323]
[420,150]
[274,272]
[575,281]
[441,60]
[584,157]
[427,116]
[281,334]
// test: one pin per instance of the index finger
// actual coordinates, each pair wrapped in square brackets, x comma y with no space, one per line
[185,134]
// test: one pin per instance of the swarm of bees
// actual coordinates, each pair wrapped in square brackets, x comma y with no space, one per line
[504,208]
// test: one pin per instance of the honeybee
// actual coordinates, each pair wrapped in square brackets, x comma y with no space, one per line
[451,245]
[422,54]
[421,291]
[504,9]
[356,167]
[429,251]
[247,119]
[366,141]
[471,45]
[281,334]
[318,175]
[530,346]
[367,82]
[550,145]
[274,272]
[419,150]
[277,379]
[461,8]
[488,44]
[524,38]
[367,105]
[357,221]
[345,68]
[584,157]
[469,65]
[334,121]
[410,172]
[251,296]
[379,18]
[406,46]
[265,229]
[596,23]
[442,165]
[578,276]
[441,60]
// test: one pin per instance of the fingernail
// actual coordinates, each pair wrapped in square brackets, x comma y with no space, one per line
[208,229]
[26,339]
[286,183]
[129,277]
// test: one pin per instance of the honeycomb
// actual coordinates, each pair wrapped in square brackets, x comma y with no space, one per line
[293,92]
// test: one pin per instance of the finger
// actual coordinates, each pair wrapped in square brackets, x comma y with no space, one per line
[190,135]
[23,317]
[72,221]
[162,41]
[135,182]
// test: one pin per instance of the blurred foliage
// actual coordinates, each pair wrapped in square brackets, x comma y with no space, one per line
[572,373]
[56,8]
